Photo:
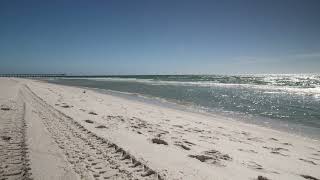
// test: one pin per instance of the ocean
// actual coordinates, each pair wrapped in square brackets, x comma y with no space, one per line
[289,102]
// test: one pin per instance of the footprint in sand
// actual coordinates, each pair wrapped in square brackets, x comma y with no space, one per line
[253,165]
[92,113]
[262,178]
[101,127]
[316,154]
[273,139]
[277,150]
[188,142]
[308,161]
[4,108]
[66,106]
[248,151]
[183,146]
[179,126]
[88,121]
[158,141]
[255,139]
[308,177]
[287,144]
[212,157]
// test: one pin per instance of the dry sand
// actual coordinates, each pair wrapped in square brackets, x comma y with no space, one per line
[51,131]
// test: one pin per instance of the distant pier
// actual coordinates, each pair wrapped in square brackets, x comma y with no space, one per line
[32,75]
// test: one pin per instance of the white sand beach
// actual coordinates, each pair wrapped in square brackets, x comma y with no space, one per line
[51,131]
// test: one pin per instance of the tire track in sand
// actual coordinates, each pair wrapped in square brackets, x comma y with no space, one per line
[14,162]
[92,157]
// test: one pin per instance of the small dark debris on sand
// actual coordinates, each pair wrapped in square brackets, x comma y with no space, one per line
[309,177]
[159,141]
[274,139]
[6,138]
[93,113]
[183,146]
[88,121]
[262,178]
[66,106]
[84,92]
[101,127]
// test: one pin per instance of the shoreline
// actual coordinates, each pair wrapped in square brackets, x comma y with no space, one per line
[239,117]
[169,143]
[275,124]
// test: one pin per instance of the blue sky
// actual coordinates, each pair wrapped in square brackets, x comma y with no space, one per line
[159,37]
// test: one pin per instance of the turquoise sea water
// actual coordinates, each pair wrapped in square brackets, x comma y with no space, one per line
[290,102]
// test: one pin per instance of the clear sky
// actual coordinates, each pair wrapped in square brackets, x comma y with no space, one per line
[159,36]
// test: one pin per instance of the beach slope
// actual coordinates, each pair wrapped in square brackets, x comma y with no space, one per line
[52,131]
